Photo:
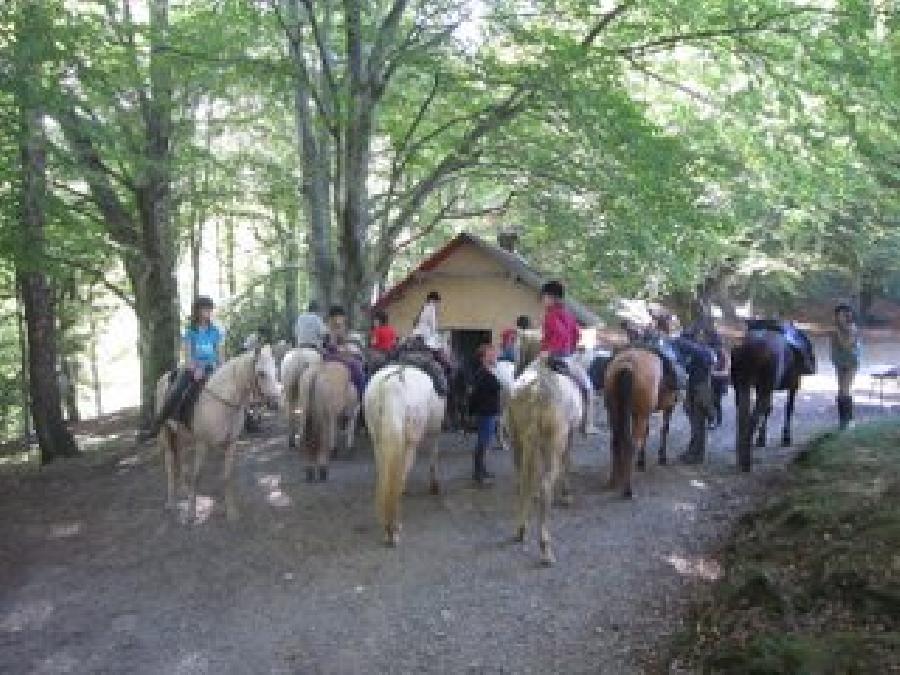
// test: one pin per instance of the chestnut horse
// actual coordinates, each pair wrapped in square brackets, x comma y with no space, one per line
[635,389]
[764,363]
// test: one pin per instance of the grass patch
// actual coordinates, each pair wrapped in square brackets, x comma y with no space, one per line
[811,581]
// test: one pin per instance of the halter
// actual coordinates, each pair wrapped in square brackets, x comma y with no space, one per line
[255,390]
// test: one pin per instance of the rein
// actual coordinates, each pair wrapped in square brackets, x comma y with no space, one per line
[254,392]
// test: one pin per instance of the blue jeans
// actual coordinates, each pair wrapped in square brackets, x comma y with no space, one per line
[487,430]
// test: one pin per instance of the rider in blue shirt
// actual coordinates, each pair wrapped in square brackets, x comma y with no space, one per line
[202,344]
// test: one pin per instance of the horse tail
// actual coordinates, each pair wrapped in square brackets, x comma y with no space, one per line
[625,398]
[389,432]
[300,397]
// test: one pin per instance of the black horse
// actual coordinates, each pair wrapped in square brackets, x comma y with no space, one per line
[772,357]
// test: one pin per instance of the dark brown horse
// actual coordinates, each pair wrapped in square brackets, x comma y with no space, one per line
[766,362]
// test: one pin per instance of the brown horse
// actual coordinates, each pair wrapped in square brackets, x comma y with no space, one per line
[635,389]
[331,400]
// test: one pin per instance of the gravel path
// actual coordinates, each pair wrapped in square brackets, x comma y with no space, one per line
[96,578]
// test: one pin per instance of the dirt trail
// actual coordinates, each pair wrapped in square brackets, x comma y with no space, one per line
[96,578]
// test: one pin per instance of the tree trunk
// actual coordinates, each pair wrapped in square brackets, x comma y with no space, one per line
[24,384]
[291,266]
[230,275]
[355,215]
[69,394]
[53,436]
[95,364]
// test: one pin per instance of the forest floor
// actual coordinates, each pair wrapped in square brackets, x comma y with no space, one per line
[96,577]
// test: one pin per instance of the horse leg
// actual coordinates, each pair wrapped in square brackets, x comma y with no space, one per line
[167,442]
[199,457]
[664,436]
[434,483]
[352,420]
[761,417]
[788,414]
[565,485]
[326,445]
[231,510]
[744,428]
[639,440]
[548,480]
[641,450]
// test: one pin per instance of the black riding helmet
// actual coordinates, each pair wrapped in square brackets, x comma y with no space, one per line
[554,289]
[843,306]
[203,302]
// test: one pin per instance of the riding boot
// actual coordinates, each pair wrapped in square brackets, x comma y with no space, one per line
[845,411]
[480,474]
[171,405]
[587,425]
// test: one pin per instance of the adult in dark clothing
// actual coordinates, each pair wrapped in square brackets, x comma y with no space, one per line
[484,405]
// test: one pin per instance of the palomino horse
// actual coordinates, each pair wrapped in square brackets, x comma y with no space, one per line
[402,411]
[764,362]
[217,420]
[327,397]
[635,388]
[544,410]
[293,366]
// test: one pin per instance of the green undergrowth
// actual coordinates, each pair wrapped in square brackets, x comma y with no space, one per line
[811,581]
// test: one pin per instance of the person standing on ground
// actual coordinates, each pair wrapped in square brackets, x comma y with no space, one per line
[484,405]
[309,329]
[845,355]
[508,340]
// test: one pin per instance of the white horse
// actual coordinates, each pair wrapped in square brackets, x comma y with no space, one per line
[402,410]
[217,421]
[544,411]
[293,368]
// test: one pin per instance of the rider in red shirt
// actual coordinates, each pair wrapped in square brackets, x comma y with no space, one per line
[383,336]
[559,338]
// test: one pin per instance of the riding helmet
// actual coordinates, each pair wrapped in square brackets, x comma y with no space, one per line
[554,289]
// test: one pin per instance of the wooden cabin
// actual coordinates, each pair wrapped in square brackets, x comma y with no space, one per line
[484,288]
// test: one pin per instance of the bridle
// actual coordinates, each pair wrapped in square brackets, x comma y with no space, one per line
[255,391]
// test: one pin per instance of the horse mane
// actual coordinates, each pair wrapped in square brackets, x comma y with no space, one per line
[529,348]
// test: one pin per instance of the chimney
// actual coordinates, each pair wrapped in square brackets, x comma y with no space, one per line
[507,240]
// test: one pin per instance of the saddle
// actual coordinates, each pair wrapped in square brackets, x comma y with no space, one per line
[675,375]
[411,354]
[797,340]
[187,398]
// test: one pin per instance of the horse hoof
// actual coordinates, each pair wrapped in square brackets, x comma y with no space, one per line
[171,505]
[761,443]
[292,443]
[435,488]
[786,442]
[519,536]
[690,459]
[663,461]
[323,474]
[547,557]
[564,501]
[391,538]
[627,494]
[310,474]
[642,466]
[745,468]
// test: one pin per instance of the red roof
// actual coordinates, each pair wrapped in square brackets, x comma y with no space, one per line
[427,265]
